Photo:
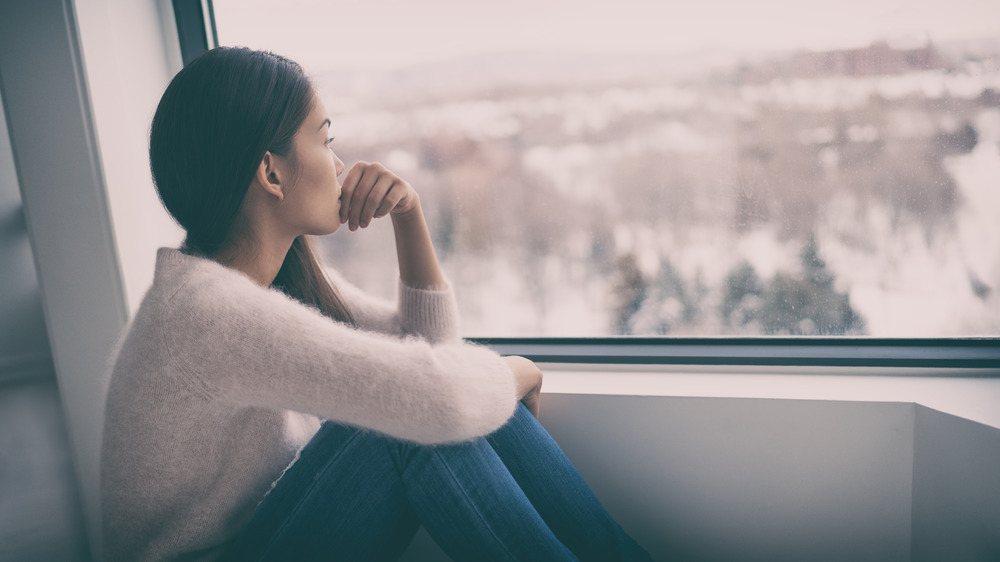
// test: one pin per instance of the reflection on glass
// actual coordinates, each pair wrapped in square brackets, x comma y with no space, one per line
[846,187]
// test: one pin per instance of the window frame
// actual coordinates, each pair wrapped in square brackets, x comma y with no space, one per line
[836,351]
[196,30]
[975,356]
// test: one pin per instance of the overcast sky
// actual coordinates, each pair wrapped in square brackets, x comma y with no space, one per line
[325,34]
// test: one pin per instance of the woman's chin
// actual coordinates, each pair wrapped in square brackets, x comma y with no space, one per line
[325,229]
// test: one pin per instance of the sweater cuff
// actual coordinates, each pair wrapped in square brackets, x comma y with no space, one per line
[431,314]
[489,396]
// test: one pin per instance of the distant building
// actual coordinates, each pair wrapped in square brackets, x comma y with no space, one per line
[877,59]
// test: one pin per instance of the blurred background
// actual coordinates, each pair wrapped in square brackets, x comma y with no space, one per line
[712,168]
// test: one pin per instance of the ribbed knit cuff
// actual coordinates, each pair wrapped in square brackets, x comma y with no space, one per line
[485,387]
[432,314]
[496,375]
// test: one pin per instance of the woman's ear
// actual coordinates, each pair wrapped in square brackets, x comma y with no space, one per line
[269,176]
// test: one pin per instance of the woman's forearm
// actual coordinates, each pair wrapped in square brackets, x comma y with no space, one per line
[371,191]
[418,264]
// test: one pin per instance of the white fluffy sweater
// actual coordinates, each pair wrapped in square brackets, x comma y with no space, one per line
[219,382]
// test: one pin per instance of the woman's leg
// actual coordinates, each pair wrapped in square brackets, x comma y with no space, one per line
[472,506]
[342,499]
[558,492]
[356,495]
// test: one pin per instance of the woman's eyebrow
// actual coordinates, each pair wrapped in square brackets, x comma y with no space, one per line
[325,122]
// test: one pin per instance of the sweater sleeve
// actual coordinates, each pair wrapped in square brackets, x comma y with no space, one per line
[243,343]
[429,314]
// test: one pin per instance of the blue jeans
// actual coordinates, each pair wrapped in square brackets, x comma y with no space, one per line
[357,495]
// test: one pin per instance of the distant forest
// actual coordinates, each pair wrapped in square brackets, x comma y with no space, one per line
[613,191]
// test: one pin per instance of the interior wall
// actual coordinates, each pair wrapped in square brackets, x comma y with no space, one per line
[130,52]
[746,479]
[956,489]
[720,479]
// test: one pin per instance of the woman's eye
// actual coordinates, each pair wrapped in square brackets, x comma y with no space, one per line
[329,140]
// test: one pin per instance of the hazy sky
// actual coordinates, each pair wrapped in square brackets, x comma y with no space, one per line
[325,34]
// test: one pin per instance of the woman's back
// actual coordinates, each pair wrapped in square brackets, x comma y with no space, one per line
[219,380]
[181,467]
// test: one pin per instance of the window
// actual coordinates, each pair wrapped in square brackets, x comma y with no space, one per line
[632,168]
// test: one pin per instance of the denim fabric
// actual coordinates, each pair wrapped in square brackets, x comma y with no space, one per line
[357,495]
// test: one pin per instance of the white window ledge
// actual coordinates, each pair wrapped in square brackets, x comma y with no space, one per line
[968,393]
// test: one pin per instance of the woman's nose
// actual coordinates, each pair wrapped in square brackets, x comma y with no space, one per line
[340,165]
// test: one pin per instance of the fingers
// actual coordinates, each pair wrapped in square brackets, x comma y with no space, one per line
[533,402]
[527,375]
[348,187]
[375,199]
[368,176]
[369,191]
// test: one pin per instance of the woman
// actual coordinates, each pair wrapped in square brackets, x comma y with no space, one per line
[213,448]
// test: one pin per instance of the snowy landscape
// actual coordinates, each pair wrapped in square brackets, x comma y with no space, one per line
[847,192]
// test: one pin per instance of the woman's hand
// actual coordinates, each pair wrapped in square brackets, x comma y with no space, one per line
[528,378]
[370,191]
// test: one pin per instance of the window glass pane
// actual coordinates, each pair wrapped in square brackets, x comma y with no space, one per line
[635,167]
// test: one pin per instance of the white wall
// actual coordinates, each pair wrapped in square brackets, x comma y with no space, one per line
[956,493]
[720,479]
[744,479]
[130,52]
[784,463]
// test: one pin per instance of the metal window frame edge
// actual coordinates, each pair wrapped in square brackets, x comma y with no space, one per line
[979,354]
[196,31]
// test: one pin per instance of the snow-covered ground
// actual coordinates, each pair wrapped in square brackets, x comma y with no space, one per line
[900,279]
[907,285]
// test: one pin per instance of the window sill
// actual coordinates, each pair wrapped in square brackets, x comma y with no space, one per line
[968,393]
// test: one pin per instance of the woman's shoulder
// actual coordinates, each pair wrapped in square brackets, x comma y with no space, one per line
[173,304]
[194,302]
[181,276]
[191,292]
[175,267]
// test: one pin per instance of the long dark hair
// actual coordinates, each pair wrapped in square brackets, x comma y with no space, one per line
[215,121]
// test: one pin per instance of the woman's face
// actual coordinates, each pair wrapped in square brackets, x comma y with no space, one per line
[312,203]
